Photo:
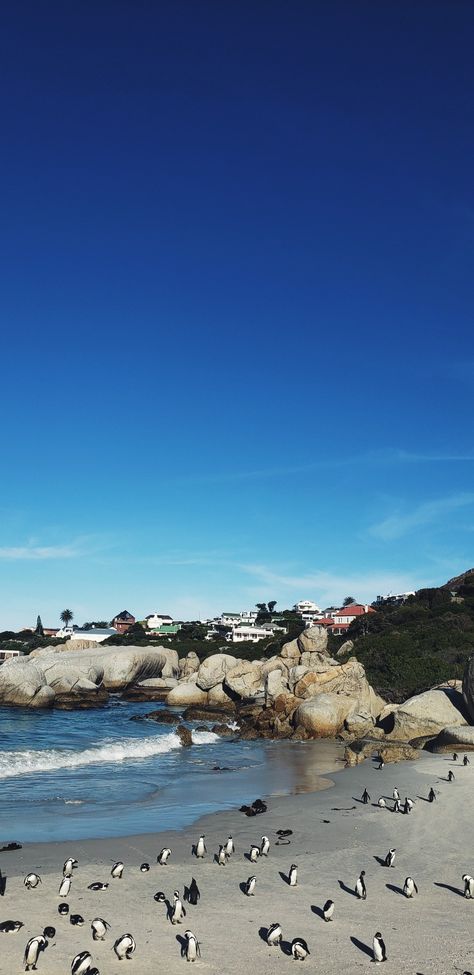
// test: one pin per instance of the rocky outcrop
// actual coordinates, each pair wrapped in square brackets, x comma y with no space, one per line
[450,739]
[185,694]
[23,684]
[468,688]
[323,716]
[188,665]
[246,679]
[395,751]
[428,714]
[214,669]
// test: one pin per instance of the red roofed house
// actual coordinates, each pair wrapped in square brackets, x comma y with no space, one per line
[344,617]
[123,621]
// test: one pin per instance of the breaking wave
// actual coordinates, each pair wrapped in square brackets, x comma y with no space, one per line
[134,749]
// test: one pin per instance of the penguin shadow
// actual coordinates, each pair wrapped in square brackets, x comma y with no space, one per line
[380,860]
[182,944]
[3,885]
[193,850]
[243,887]
[366,949]
[247,857]
[423,798]
[262,932]
[346,889]
[454,890]
[284,876]
[359,800]
[169,909]
[395,889]
[318,911]
[286,947]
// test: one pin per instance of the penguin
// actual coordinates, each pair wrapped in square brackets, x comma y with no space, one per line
[49,933]
[65,887]
[254,854]
[192,893]
[191,949]
[99,928]
[450,776]
[264,846]
[3,884]
[409,887]
[455,757]
[144,867]
[259,806]
[274,935]
[177,913]
[81,964]
[11,927]
[63,909]
[159,897]
[328,910]
[249,886]
[229,847]
[396,794]
[124,946]
[431,795]
[465,760]
[381,802]
[379,950]
[389,859]
[468,886]
[360,888]
[200,849]
[69,865]
[162,857]
[408,805]
[365,797]
[293,875]
[76,920]
[33,950]
[32,880]
[117,870]
[97,886]
[299,949]
[397,807]
[381,764]
[222,857]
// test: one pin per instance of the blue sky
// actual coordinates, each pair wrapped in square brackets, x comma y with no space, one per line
[237,248]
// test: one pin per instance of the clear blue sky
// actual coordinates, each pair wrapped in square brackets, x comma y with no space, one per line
[237,261]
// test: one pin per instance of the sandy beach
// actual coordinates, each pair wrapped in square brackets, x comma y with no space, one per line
[334,838]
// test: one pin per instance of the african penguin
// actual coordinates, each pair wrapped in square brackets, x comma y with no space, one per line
[177,913]
[124,946]
[365,797]
[65,887]
[117,870]
[97,886]
[222,856]
[99,928]
[254,854]
[159,897]
[144,867]
[10,927]
[69,865]
[450,776]
[32,880]
[409,887]
[408,805]
[299,949]
[389,859]
[397,807]
[162,857]
[293,875]
[381,802]
[431,795]
[191,948]
[32,951]
[63,909]
[465,760]
[229,847]
[49,932]
[192,893]
[360,888]
[249,886]
[381,764]
[328,910]
[468,886]
[379,951]
[81,964]
[395,793]
[200,848]
[264,846]
[274,935]
[76,920]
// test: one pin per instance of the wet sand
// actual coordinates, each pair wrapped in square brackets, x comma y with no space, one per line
[334,838]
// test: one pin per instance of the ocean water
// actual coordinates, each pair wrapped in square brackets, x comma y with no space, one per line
[82,774]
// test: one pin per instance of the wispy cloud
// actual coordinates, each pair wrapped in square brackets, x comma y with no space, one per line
[32,552]
[328,587]
[428,513]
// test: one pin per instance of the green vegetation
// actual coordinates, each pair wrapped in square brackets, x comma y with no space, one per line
[66,617]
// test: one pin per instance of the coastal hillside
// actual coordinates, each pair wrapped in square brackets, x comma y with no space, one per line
[427,640]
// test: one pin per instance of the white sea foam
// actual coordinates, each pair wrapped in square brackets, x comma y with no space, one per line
[47,760]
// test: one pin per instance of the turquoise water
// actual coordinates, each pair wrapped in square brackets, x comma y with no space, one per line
[80,774]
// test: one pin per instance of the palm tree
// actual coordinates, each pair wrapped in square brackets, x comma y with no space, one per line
[349,601]
[66,617]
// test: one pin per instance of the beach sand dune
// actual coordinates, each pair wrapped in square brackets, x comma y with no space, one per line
[334,837]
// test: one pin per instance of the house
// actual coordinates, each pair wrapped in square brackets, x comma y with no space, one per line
[154,621]
[392,599]
[248,634]
[306,606]
[244,618]
[8,654]
[95,635]
[123,621]
[348,614]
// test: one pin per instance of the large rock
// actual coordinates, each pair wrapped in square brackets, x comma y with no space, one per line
[324,716]
[428,713]
[246,679]
[450,739]
[314,639]
[348,679]
[23,684]
[213,670]
[218,697]
[345,649]
[468,688]
[189,664]
[274,684]
[186,693]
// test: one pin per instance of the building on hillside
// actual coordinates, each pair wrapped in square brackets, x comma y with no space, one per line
[244,618]
[392,599]
[306,606]
[8,654]
[50,631]
[123,621]
[249,634]
[95,635]
[156,620]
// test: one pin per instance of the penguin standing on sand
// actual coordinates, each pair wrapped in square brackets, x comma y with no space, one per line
[431,795]
[144,867]
[409,887]
[468,886]
[328,910]
[32,880]
[69,865]
[254,854]
[117,870]
[125,946]
[360,888]
[274,935]
[63,909]
[81,964]
[397,807]
[408,806]
[178,913]
[395,794]
[455,757]
[229,847]
[65,887]
[389,859]
[264,846]
[450,776]
[222,857]
[465,760]
[249,886]
[379,950]
[192,893]
[191,950]
[365,797]
[299,949]
[33,950]
[200,849]
[163,856]
[99,928]
[381,802]
[293,875]
[381,764]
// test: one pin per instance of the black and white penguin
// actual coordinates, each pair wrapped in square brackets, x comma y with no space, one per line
[99,928]
[365,797]
[408,806]
[455,757]
[381,802]
[200,849]
[81,964]
[192,893]
[69,865]
[222,857]
[465,760]
[450,776]
[249,886]
[395,793]
[389,859]
[159,897]
[397,807]
[125,946]
[274,935]
[293,875]
[409,887]
[117,870]
[177,913]
[76,920]
[254,854]
[65,887]
[431,795]
[264,846]
[144,867]
[191,949]
[229,847]
[360,888]
[63,909]
[10,927]
[381,764]
[97,886]
[163,856]
[379,951]
[32,880]
[49,932]
[328,910]
[468,886]
[33,950]
[299,949]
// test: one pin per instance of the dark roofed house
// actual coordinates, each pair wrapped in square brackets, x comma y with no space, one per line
[123,621]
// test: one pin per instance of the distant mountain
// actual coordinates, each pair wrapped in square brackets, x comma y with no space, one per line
[454,584]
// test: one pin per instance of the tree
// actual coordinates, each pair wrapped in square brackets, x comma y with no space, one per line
[39,627]
[262,607]
[271,605]
[349,601]
[66,617]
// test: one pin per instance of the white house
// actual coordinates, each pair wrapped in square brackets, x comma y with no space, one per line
[95,635]
[306,606]
[244,618]
[245,634]
[156,620]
